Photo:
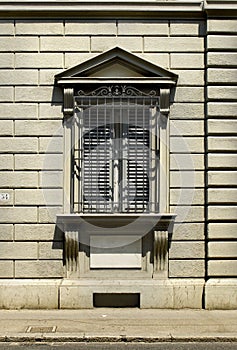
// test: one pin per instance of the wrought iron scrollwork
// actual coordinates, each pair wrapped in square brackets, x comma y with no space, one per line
[117,91]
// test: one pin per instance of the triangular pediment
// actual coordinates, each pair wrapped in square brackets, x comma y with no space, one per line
[116,63]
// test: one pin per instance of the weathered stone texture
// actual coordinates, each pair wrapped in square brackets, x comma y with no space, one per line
[186,268]
[75,27]
[37,232]
[18,250]
[38,269]
[39,60]
[42,27]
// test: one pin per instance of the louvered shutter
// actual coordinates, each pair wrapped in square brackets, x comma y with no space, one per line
[118,165]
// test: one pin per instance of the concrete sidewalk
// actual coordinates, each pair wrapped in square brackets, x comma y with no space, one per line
[118,325]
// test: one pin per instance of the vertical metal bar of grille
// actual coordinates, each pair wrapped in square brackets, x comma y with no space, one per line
[133,192]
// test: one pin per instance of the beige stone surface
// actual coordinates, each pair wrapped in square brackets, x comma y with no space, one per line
[18,77]
[160,59]
[186,162]
[48,111]
[66,43]
[6,269]
[175,293]
[187,60]
[38,197]
[227,268]
[189,94]
[144,27]
[187,196]
[222,92]
[38,128]
[6,60]
[222,59]
[186,28]
[18,111]
[222,25]
[51,179]
[6,127]
[46,76]
[222,75]
[19,44]
[222,250]
[217,126]
[6,94]
[188,213]
[6,232]
[188,231]
[84,27]
[29,294]
[187,250]
[221,293]
[221,213]
[222,178]
[187,144]
[50,250]
[11,179]
[186,268]
[6,162]
[39,269]
[18,250]
[222,42]
[73,59]
[227,143]
[51,144]
[48,215]
[127,43]
[7,27]
[224,160]
[37,232]
[38,94]
[222,109]
[173,44]
[193,127]
[39,162]
[189,78]
[39,27]
[185,178]
[18,145]
[186,110]
[222,195]
[18,215]
[222,230]
[39,60]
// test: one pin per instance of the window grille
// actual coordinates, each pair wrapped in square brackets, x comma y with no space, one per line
[116,151]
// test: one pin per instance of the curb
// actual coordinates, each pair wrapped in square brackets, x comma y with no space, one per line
[71,338]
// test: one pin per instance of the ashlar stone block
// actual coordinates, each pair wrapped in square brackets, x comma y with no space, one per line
[6,232]
[6,60]
[222,230]
[39,60]
[37,232]
[39,27]
[18,215]
[223,109]
[81,27]
[29,294]
[221,293]
[18,250]
[39,269]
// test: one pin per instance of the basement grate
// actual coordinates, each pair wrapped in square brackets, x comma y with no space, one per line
[41,329]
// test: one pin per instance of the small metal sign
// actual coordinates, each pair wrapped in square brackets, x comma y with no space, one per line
[4,197]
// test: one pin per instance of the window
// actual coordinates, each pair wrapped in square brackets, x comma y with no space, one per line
[116,153]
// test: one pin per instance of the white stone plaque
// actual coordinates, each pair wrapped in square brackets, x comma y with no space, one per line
[115,251]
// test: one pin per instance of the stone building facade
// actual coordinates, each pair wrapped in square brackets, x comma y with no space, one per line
[187,49]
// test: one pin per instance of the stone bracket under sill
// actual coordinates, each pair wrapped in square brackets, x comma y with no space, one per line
[72,224]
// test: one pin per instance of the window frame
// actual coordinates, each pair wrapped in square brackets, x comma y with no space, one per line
[135,101]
